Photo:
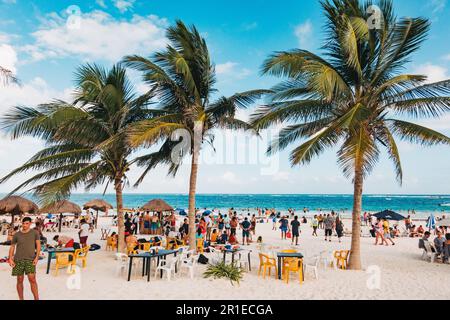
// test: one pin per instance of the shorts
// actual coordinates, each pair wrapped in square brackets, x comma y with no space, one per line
[233,231]
[83,240]
[23,267]
[328,232]
[154,226]
[283,229]
[387,235]
[246,234]
[295,234]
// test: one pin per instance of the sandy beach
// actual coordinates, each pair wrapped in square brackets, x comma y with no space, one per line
[403,275]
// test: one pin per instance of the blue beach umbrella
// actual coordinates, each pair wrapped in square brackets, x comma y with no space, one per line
[206,212]
[431,222]
[181,212]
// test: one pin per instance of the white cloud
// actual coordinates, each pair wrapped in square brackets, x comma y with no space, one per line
[99,36]
[303,33]
[437,5]
[123,5]
[250,26]
[433,72]
[231,70]
[8,57]
[226,68]
[231,178]
[101,3]
[281,176]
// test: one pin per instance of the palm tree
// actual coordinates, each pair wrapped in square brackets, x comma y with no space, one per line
[354,97]
[183,80]
[86,141]
[6,76]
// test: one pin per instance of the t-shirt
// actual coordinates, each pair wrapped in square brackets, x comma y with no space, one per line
[284,222]
[329,222]
[386,226]
[84,230]
[295,225]
[25,245]
[246,224]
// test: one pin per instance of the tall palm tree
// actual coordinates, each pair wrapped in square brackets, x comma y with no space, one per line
[355,96]
[6,76]
[183,78]
[86,142]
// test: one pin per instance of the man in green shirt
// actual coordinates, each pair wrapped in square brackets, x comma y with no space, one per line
[24,256]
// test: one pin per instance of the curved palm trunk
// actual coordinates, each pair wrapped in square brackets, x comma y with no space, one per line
[120,222]
[355,255]
[192,190]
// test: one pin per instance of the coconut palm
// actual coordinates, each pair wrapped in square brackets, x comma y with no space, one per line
[6,76]
[86,143]
[354,97]
[183,78]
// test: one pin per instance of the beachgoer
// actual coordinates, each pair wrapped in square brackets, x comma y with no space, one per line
[245,225]
[339,228]
[314,225]
[329,224]
[284,227]
[295,226]
[387,232]
[24,256]
[64,241]
[379,232]
[83,233]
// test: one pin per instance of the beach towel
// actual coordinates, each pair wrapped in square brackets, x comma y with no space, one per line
[94,247]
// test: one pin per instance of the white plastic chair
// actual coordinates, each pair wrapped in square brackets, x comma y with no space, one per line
[123,265]
[216,256]
[326,257]
[167,267]
[313,265]
[428,253]
[243,259]
[189,265]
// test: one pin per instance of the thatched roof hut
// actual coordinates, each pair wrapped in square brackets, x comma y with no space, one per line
[157,205]
[98,205]
[63,206]
[17,205]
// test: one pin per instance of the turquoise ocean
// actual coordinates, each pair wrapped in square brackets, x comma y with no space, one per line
[422,204]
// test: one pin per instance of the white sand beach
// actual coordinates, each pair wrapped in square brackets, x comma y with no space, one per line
[404,275]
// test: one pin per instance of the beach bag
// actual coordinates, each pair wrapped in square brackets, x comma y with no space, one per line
[288,235]
[94,247]
[202,259]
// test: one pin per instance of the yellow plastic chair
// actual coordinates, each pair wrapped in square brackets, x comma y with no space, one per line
[130,249]
[341,257]
[111,243]
[145,246]
[266,262]
[200,245]
[63,260]
[81,255]
[293,265]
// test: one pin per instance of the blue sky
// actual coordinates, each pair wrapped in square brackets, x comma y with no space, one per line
[37,42]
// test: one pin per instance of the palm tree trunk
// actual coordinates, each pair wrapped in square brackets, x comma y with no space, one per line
[120,222]
[192,190]
[355,254]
